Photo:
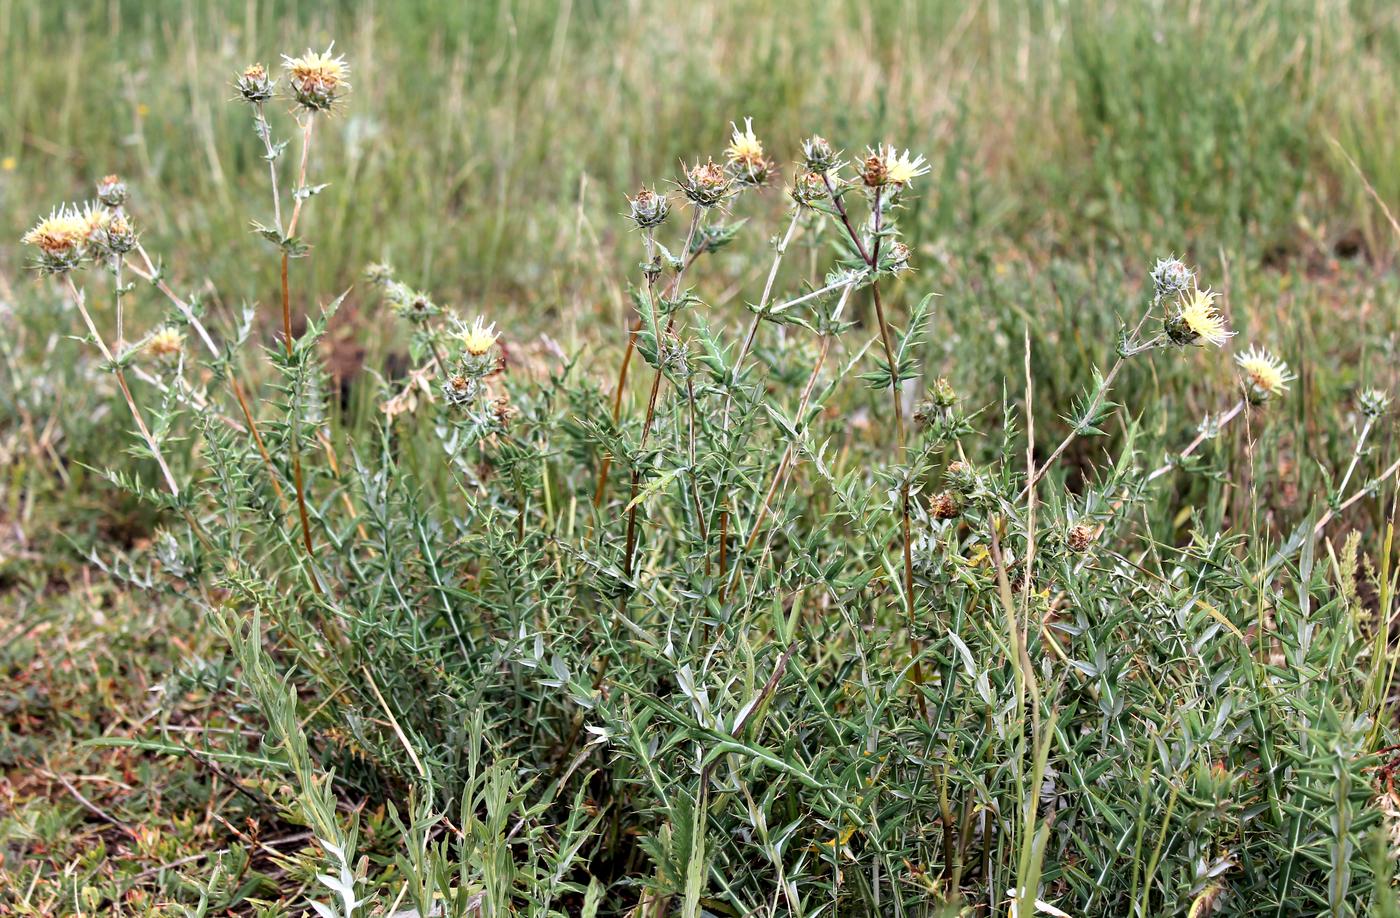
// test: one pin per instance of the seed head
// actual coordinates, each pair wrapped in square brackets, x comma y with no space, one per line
[649,209]
[166,344]
[818,156]
[253,84]
[706,185]
[1171,276]
[944,396]
[317,79]
[111,191]
[1264,375]
[1374,403]
[944,505]
[1196,321]
[61,239]
[745,156]
[1079,537]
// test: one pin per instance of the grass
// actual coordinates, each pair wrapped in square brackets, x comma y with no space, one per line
[477,686]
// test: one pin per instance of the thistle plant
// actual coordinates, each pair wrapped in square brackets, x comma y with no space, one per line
[837,637]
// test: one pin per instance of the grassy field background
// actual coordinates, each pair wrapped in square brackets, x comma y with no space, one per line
[485,152]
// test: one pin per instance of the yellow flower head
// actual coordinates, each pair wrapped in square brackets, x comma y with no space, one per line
[479,338]
[166,343]
[318,79]
[1264,375]
[887,166]
[1197,321]
[745,156]
[96,220]
[61,233]
[744,148]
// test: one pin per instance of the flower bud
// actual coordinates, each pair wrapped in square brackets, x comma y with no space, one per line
[1373,403]
[818,156]
[111,191]
[1171,276]
[254,85]
[649,209]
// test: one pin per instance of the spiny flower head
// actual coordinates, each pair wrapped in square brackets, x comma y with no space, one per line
[1265,376]
[415,305]
[61,239]
[460,390]
[818,156]
[379,274]
[318,79]
[944,505]
[705,185]
[111,191]
[1171,276]
[479,337]
[649,209]
[166,343]
[109,232]
[745,156]
[808,187]
[887,166]
[1079,537]
[254,85]
[1374,403]
[1196,321]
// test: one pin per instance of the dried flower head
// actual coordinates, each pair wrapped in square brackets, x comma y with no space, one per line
[649,209]
[502,411]
[706,185]
[895,259]
[885,165]
[818,156]
[111,191]
[1170,276]
[1264,375]
[459,389]
[944,505]
[808,188]
[61,239]
[745,156]
[166,344]
[317,79]
[254,85]
[1373,403]
[1196,321]
[1079,537]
